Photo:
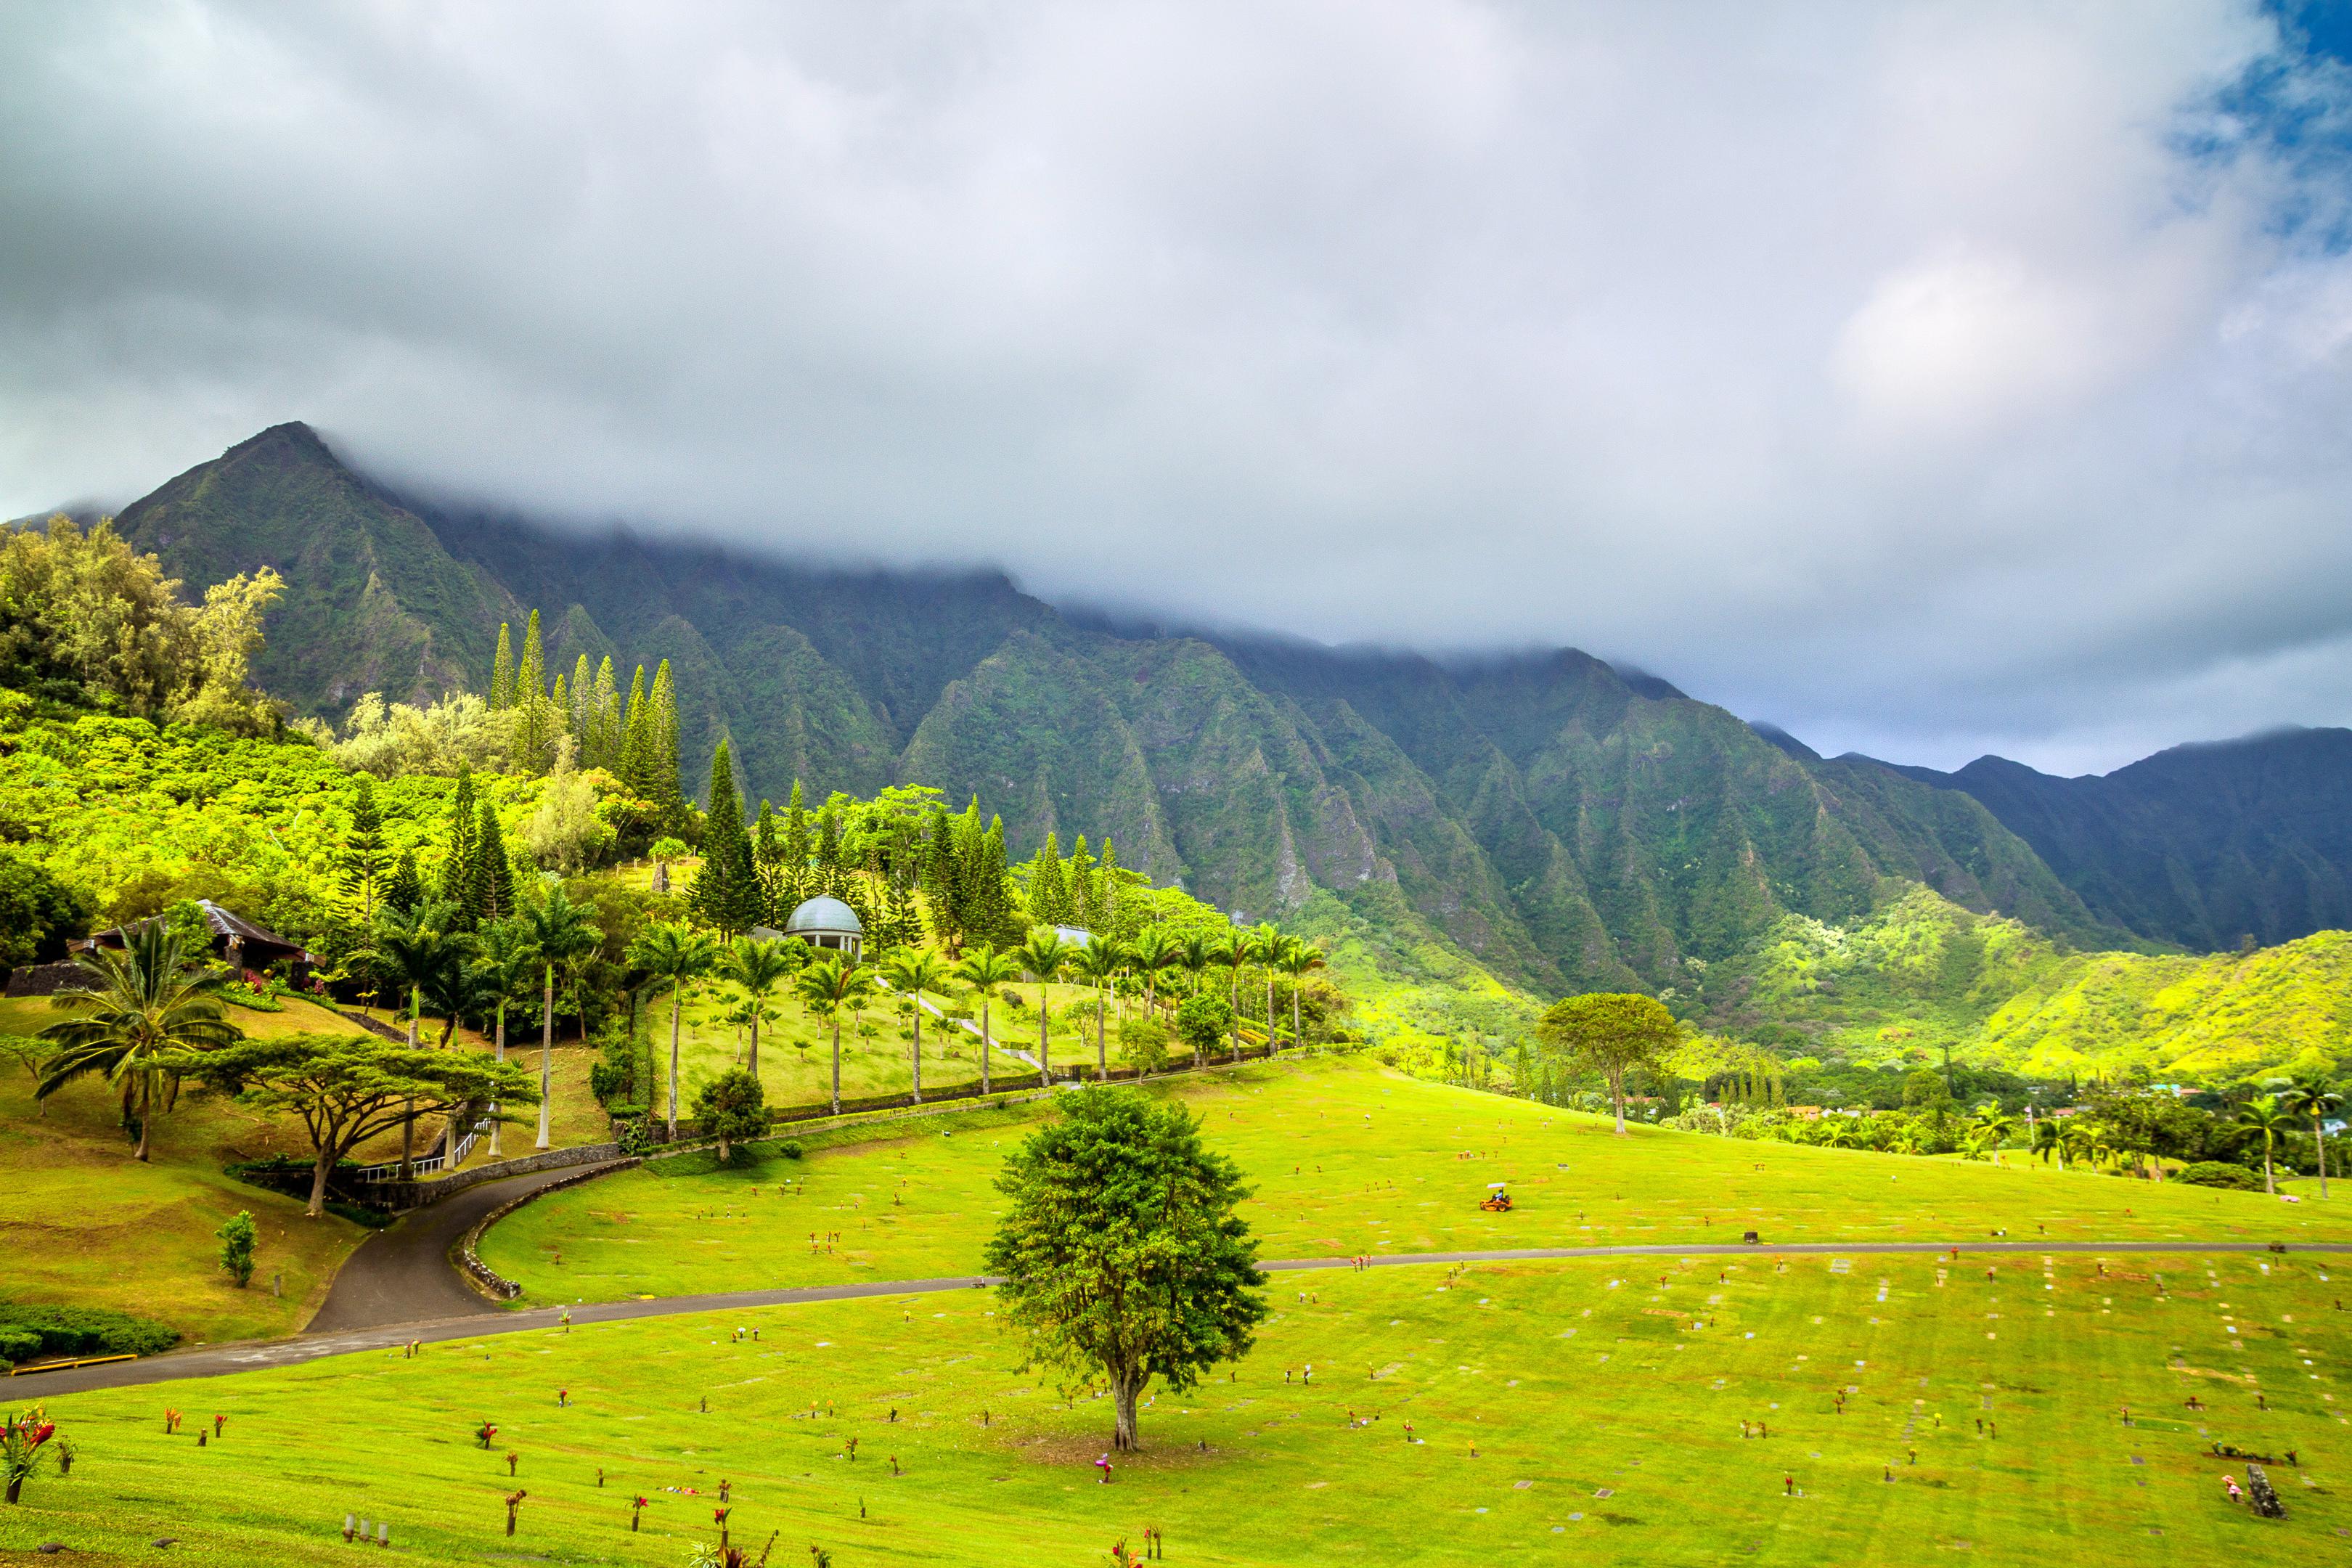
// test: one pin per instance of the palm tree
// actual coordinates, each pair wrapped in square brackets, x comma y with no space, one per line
[1152,952]
[1098,964]
[1264,942]
[561,933]
[1296,959]
[1991,1127]
[1838,1133]
[985,970]
[2308,1094]
[2267,1117]
[675,954]
[1229,949]
[1044,955]
[825,987]
[754,967]
[504,959]
[1195,950]
[1908,1141]
[141,1003]
[417,949]
[915,969]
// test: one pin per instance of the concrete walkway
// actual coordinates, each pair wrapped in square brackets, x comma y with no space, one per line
[477,1318]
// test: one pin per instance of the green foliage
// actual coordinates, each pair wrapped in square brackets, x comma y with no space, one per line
[88,621]
[237,1236]
[2217,1173]
[87,1331]
[1204,1021]
[1120,1252]
[38,913]
[727,894]
[1611,1035]
[731,1107]
[1143,1043]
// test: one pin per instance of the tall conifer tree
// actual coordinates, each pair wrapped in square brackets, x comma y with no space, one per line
[532,739]
[726,893]
[366,859]
[601,746]
[669,791]
[582,715]
[490,889]
[636,741]
[457,864]
[502,669]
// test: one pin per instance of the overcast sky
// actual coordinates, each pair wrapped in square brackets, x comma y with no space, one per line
[1928,379]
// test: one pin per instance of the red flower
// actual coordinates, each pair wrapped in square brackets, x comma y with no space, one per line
[41,1433]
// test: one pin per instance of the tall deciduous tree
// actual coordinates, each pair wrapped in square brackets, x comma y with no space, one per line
[1121,1255]
[138,1009]
[1611,1033]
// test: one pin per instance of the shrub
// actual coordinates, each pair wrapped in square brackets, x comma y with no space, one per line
[2219,1173]
[87,1331]
[1144,1042]
[236,1237]
[1202,1020]
[731,1107]
[18,1344]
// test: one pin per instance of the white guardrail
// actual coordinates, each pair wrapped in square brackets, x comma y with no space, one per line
[425,1165]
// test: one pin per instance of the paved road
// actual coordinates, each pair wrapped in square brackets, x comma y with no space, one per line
[404,1275]
[478,1318]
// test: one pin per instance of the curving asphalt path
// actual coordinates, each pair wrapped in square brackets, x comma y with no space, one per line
[476,1317]
[404,1275]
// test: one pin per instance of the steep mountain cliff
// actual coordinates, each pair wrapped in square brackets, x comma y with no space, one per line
[1566,824]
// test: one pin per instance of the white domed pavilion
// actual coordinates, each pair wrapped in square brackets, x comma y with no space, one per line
[828,923]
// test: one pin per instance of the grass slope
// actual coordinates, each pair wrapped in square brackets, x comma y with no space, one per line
[83,1224]
[1588,1409]
[1346,1159]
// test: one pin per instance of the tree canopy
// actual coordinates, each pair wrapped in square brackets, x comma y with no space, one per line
[1121,1255]
[1611,1033]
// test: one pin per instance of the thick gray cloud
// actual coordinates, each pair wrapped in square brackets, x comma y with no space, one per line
[1926,378]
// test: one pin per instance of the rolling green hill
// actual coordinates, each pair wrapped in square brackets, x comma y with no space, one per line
[1558,823]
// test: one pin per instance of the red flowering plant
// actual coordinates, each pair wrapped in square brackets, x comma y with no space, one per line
[26,1443]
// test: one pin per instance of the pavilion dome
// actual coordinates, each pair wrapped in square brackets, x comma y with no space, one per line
[828,915]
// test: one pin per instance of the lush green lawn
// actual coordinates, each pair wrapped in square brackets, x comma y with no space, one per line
[83,1222]
[1346,1159]
[1589,1406]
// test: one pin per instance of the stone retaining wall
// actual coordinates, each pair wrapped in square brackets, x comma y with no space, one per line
[489,1280]
[415,1195]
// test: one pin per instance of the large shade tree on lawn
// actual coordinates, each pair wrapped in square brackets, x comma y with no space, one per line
[756,968]
[915,969]
[563,935]
[346,1089]
[1043,954]
[826,988]
[986,972]
[1120,1254]
[673,954]
[136,1008]
[1611,1033]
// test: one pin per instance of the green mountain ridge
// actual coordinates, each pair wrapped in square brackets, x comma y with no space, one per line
[1565,824]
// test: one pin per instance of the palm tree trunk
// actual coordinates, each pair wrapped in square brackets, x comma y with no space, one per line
[1102,1052]
[408,1120]
[2269,1185]
[676,986]
[546,1050]
[2320,1136]
[1270,1049]
[1294,1009]
[836,1062]
[983,1043]
[919,1047]
[1045,1062]
[146,1097]
[502,1056]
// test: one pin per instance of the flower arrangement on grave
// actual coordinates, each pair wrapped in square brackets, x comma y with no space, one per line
[26,1443]
[484,1433]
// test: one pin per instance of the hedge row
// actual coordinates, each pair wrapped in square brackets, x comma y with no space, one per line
[28,1331]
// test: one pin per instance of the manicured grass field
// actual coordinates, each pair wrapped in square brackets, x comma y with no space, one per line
[83,1222]
[1346,1159]
[1587,1411]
